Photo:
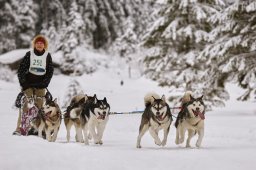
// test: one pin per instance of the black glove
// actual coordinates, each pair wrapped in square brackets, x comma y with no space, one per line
[18,100]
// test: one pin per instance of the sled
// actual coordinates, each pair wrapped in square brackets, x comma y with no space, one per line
[26,118]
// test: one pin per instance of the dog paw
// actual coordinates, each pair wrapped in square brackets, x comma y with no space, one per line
[181,141]
[138,146]
[99,142]
[178,141]
[163,143]
[198,145]
[49,140]
[158,142]
[54,139]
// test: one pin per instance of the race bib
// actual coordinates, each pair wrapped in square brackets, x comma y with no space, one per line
[37,63]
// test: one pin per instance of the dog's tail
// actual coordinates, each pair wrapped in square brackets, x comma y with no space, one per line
[77,98]
[149,98]
[186,97]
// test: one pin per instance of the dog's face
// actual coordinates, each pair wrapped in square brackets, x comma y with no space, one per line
[196,107]
[159,108]
[100,108]
[51,108]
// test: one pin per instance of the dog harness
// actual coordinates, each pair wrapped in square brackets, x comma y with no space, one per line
[38,63]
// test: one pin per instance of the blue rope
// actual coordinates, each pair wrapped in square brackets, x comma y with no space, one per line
[133,112]
[136,112]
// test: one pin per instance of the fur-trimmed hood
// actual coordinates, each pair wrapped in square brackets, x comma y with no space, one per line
[40,37]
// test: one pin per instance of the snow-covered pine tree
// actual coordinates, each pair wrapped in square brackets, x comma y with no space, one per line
[139,15]
[72,37]
[54,38]
[108,20]
[52,13]
[175,41]
[105,15]
[18,35]
[100,20]
[26,22]
[52,19]
[7,28]
[231,56]
[74,88]
[88,12]
[127,43]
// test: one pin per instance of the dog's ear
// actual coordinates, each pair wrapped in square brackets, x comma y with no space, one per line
[163,98]
[86,97]
[191,98]
[55,100]
[95,100]
[105,99]
[201,98]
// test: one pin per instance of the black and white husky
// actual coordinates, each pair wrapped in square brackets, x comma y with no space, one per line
[191,119]
[156,116]
[94,118]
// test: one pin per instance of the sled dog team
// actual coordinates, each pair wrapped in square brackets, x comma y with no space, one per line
[90,115]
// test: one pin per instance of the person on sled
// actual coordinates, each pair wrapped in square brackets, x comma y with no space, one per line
[34,74]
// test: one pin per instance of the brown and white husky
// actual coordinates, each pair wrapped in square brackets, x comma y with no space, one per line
[191,119]
[48,120]
[73,116]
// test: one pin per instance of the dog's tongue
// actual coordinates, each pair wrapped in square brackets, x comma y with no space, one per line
[160,117]
[201,115]
[198,113]
[101,117]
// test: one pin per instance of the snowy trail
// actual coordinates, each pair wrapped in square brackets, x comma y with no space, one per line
[229,142]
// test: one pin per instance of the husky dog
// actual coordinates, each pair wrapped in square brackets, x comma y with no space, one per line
[191,118]
[94,118]
[156,116]
[48,120]
[73,116]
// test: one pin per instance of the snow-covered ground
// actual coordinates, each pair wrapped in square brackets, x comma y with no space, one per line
[229,142]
